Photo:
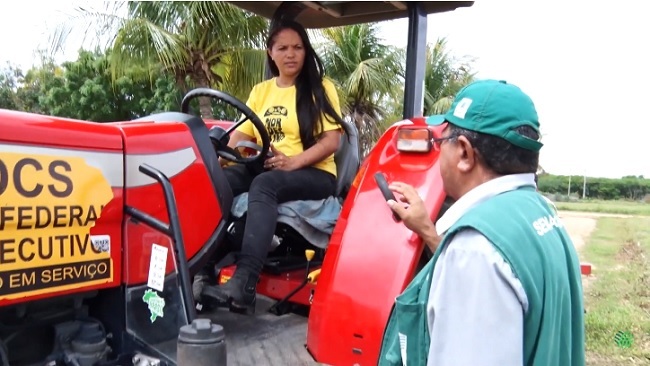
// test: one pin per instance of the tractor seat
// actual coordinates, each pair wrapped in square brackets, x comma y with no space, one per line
[314,220]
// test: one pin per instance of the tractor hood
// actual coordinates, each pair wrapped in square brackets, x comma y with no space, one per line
[323,14]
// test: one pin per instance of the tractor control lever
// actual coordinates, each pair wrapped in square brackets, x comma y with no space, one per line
[309,255]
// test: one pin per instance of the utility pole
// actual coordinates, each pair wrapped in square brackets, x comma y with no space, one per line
[584,186]
[568,190]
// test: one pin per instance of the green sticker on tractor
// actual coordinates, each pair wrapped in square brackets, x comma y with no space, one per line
[156,304]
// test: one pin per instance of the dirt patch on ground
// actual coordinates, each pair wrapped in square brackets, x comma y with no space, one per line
[579,225]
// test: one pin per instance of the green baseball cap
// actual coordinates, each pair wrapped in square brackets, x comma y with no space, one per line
[493,107]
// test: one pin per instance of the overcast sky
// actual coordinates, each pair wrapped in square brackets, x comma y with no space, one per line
[585,65]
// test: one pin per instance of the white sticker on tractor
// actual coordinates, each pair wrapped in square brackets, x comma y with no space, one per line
[101,243]
[157,266]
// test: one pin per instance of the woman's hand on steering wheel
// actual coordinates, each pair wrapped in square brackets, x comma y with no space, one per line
[280,161]
[223,162]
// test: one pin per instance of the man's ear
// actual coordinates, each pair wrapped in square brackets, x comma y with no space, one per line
[468,158]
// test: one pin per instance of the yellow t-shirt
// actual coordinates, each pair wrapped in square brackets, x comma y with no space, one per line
[276,107]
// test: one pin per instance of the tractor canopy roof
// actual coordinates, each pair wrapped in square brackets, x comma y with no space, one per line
[323,14]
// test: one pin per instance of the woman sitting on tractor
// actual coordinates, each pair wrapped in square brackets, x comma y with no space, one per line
[301,113]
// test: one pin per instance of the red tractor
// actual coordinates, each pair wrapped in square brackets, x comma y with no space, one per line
[104,226]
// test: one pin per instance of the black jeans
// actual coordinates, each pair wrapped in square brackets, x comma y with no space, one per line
[265,192]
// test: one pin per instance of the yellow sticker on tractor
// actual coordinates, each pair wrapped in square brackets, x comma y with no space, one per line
[47,206]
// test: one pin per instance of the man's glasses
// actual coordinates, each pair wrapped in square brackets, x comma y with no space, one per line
[419,139]
[437,142]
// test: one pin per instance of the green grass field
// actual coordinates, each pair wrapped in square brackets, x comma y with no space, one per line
[614,207]
[617,295]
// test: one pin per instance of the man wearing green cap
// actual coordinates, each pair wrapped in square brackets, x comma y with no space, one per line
[504,285]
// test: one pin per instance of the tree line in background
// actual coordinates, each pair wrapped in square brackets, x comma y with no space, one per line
[83,89]
[158,51]
[635,188]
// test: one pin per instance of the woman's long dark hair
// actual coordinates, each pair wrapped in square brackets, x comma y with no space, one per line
[311,100]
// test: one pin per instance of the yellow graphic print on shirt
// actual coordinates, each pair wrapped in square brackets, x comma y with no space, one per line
[276,107]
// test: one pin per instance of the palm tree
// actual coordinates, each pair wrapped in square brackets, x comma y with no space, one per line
[201,44]
[366,71]
[444,77]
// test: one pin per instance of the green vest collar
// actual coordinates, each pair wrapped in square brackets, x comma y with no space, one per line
[480,194]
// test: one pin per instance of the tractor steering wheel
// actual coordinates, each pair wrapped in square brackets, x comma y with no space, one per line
[220,137]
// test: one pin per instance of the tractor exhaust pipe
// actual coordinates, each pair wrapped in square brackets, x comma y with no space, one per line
[201,344]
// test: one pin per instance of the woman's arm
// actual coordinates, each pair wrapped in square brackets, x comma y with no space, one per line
[326,146]
[235,138]
[245,131]
[330,140]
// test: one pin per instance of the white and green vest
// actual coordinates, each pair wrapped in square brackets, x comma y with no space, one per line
[530,237]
